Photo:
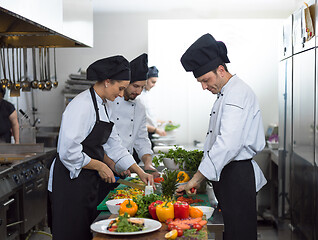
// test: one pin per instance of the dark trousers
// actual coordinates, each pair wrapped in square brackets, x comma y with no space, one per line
[236,193]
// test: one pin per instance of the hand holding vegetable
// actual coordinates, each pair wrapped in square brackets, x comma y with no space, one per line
[190,187]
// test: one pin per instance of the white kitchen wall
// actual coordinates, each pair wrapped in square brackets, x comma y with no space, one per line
[252,49]
[127,34]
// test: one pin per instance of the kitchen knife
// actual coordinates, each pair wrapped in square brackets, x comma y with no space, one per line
[130,184]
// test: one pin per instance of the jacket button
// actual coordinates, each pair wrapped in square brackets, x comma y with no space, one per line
[210,131]
[117,118]
[131,119]
[117,102]
[129,135]
[213,112]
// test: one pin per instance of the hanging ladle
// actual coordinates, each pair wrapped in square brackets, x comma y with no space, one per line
[55,84]
[35,82]
[42,82]
[26,85]
[9,83]
[4,81]
[48,82]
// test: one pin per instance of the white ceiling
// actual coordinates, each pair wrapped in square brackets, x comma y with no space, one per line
[260,8]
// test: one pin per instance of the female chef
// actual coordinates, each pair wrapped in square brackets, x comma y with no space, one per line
[86,133]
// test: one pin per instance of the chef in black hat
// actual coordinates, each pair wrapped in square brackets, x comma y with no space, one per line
[9,124]
[86,135]
[152,121]
[234,137]
[129,115]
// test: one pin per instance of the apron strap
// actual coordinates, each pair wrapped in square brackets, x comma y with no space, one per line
[94,102]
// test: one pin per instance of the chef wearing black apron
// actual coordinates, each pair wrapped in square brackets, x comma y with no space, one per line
[234,137]
[76,173]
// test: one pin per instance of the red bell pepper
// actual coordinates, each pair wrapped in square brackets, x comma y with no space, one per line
[152,209]
[181,210]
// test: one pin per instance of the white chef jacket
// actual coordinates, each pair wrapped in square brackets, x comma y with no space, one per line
[130,121]
[78,121]
[235,131]
[145,99]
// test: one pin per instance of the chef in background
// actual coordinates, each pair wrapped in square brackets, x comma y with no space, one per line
[9,124]
[129,115]
[234,137]
[85,136]
[152,121]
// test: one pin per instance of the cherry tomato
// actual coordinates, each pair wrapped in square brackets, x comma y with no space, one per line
[171,226]
[169,220]
[177,219]
[180,232]
[192,190]
[197,226]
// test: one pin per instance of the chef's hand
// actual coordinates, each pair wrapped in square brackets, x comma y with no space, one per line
[189,188]
[154,172]
[160,132]
[106,174]
[145,177]
[126,173]
[192,185]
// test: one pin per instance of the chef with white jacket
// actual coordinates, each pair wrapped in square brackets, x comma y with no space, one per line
[129,115]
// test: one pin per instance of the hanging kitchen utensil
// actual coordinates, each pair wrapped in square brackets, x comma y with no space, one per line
[17,85]
[35,82]
[14,92]
[42,82]
[9,83]
[4,81]
[26,84]
[48,82]
[55,84]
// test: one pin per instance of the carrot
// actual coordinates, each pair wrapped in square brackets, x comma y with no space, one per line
[203,222]
[183,226]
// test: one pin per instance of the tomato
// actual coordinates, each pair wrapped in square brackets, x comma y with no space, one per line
[169,220]
[177,219]
[192,190]
[158,180]
[180,232]
[197,226]
[171,226]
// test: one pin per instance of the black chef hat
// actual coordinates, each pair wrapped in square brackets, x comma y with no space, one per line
[204,55]
[115,67]
[139,68]
[153,72]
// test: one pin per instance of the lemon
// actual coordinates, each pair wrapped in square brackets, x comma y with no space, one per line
[172,234]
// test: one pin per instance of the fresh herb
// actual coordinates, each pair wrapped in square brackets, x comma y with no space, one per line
[143,201]
[125,226]
[169,185]
[170,127]
[193,234]
[187,160]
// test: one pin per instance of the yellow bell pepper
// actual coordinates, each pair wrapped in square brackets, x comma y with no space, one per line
[182,177]
[128,206]
[165,211]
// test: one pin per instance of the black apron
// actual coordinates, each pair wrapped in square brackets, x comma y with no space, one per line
[236,194]
[74,201]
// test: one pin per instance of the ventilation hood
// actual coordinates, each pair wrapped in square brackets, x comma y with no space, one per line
[18,31]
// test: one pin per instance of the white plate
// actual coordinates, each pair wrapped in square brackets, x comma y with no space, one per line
[101,227]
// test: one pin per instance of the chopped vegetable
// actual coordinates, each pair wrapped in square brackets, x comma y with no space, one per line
[158,180]
[125,224]
[189,200]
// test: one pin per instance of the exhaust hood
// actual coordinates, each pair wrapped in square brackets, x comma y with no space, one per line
[18,31]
